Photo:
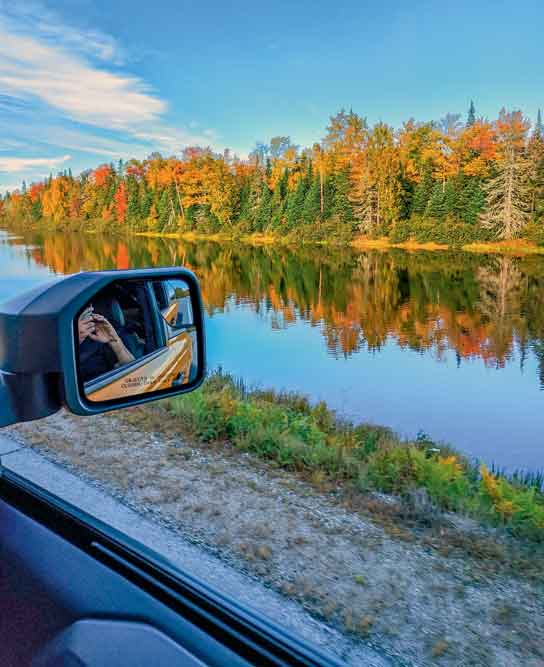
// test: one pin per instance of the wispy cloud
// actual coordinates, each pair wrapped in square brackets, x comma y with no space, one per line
[11,165]
[68,87]
[83,92]
[34,17]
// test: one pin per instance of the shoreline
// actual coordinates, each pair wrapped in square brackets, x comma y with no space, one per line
[513,248]
[518,247]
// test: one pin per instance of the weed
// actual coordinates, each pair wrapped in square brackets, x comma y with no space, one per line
[291,433]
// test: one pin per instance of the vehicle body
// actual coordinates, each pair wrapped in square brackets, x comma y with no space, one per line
[166,367]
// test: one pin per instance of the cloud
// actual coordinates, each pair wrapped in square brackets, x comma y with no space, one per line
[35,18]
[18,164]
[68,87]
[83,92]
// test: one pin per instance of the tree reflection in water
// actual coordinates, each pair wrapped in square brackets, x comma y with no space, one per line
[481,306]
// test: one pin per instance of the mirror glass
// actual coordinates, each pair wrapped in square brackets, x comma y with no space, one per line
[136,337]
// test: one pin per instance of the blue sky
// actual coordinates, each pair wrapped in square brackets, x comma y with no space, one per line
[84,82]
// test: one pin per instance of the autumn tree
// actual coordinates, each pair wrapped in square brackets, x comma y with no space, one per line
[346,137]
[121,202]
[375,181]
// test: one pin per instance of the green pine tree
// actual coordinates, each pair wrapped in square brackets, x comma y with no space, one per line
[278,202]
[341,206]
[295,204]
[436,205]
[311,212]
[145,198]
[451,198]
[538,189]
[406,196]
[133,207]
[471,116]
[263,216]
[422,193]
[164,209]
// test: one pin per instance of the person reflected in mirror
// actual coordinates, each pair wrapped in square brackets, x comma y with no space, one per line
[101,348]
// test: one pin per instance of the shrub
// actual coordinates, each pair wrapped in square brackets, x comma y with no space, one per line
[287,429]
[534,232]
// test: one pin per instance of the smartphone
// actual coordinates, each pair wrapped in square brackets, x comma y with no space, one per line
[87,314]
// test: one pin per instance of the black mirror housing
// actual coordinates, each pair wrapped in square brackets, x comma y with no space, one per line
[40,349]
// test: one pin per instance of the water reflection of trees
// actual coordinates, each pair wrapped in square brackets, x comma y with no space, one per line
[484,307]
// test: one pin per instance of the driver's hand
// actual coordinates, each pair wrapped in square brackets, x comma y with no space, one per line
[103,332]
[85,327]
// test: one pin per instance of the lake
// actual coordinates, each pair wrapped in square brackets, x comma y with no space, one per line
[447,343]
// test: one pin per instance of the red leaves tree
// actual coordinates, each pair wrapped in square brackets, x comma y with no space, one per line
[121,202]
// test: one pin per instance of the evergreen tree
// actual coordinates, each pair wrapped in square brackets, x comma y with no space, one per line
[145,199]
[436,206]
[279,201]
[263,215]
[133,207]
[254,197]
[536,168]
[406,196]
[36,210]
[422,192]
[295,204]
[451,197]
[365,202]
[471,200]
[341,206]
[164,209]
[537,183]
[243,202]
[471,117]
[312,204]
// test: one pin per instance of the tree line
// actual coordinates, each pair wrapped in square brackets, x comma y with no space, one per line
[449,181]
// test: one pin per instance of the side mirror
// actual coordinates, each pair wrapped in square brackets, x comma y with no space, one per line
[99,341]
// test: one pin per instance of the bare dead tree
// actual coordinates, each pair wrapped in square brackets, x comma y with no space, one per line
[508,197]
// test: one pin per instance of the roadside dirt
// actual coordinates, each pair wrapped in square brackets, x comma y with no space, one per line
[446,597]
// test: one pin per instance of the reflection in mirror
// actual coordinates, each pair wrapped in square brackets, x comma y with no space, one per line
[136,337]
[174,302]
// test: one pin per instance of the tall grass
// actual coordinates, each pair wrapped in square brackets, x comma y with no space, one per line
[287,429]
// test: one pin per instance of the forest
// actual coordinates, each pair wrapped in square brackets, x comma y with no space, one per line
[453,181]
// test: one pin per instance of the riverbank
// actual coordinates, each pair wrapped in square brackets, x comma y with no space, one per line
[518,247]
[312,441]
[426,587]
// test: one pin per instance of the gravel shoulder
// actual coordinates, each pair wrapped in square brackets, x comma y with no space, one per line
[414,598]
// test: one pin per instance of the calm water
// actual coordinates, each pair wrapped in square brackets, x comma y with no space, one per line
[447,343]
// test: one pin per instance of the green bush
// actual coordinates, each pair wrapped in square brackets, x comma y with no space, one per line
[287,429]
[448,231]
[534,232]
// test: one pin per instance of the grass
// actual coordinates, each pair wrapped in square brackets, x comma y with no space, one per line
[287,430]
